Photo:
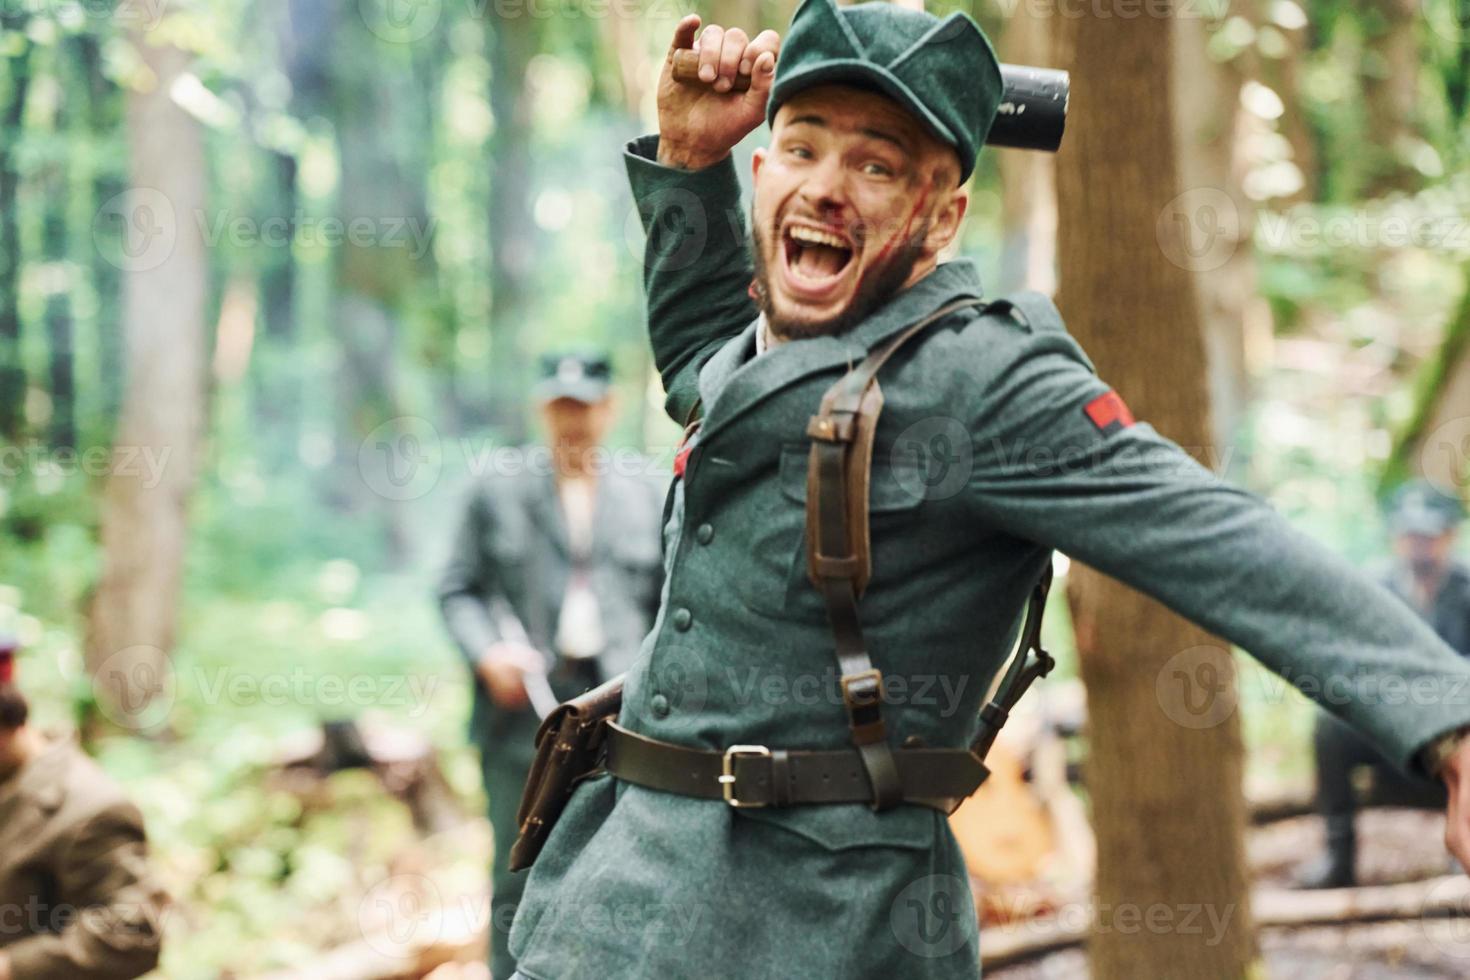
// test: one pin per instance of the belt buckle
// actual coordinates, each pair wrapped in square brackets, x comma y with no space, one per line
[727,773]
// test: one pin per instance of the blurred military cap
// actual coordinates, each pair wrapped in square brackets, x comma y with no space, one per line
[583,374]
[1419,508]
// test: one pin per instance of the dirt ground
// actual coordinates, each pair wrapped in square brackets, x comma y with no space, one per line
[1394,846]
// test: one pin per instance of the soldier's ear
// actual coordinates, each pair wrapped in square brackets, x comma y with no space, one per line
[944,228]
[757,157]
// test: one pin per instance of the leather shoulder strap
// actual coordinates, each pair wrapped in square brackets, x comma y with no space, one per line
[839,559]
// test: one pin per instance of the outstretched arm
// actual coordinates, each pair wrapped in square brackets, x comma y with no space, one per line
[1059,461]
[697,267]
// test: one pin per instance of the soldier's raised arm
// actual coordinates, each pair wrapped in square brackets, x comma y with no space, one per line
[1060,461]
[697,268]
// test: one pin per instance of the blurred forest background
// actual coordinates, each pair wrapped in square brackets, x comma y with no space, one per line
[273,276]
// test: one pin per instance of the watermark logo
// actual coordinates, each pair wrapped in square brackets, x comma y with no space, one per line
[1446,917]
[933,458]
[402,458]
[1199,230]
[1196,687]
[135,688]
[401,912]
[1444,458]
[677,238]
[136,230]
[400,21]
[928,917]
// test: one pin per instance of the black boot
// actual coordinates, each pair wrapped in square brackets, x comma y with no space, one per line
[1333,869]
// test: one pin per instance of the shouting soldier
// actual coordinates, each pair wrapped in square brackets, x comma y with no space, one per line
[773,796]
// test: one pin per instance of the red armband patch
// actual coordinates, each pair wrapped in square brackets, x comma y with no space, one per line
[1108,413]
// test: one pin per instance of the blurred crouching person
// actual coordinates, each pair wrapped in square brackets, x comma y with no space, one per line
[1425,575]
[77,898]
[552,585]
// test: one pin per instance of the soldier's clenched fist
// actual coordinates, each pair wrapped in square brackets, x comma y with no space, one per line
[699,123]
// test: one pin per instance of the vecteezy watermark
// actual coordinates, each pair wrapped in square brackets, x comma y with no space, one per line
[409,21]
[1196,687]
[402,458]
[1370,689]
[301,687]
[144,463]
[32,916]
[1444,456]
[1205,919]
[1450,19]
[138,230]
[941,455]
[1308,227]
[140,15]
[135,688]
[401,912]
[673,685]
[1445,918]
[410,233]
[1113,9]
[937,694]
[138,687]
[1200,229]
[933,916]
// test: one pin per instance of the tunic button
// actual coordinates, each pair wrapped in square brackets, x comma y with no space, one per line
[660,705]
[683,619]
[704,534]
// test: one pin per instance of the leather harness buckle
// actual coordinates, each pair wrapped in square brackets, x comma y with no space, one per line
[862,694]
[836,427]
[727,773]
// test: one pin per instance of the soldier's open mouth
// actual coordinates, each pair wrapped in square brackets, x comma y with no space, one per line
[815,257]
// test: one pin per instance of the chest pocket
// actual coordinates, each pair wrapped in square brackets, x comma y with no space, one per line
[778,583]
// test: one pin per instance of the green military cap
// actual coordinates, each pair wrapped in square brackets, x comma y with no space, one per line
[583,374]
[1419,508]
[943,71]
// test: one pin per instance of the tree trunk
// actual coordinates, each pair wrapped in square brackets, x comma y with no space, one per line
[104,116]
[55,184]
[1028,179]
[145,502]
[275,372]
[1208,122]
[512,230]
[12,369]
[1391,93]
[1435,441]
[1166,796]
[382,188]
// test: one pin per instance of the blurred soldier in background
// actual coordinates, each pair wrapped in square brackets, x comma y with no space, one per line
[1434,584]
[552,585]
[77,900]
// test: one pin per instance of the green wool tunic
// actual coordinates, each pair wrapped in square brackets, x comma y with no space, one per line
[997,444]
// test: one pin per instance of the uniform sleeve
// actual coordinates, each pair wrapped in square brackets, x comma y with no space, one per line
[468,582]
[697,266]
[114,905]
[1057,463]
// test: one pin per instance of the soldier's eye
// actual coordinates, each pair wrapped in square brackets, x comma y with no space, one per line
[877,170]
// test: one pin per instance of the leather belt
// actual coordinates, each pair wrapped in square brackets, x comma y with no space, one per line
[758,776]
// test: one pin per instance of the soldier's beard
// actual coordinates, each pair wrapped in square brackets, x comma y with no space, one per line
[877,284]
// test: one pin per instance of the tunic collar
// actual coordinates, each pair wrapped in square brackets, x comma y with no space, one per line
[735,379]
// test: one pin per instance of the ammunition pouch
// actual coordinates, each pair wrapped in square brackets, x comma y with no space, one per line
[570,745]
